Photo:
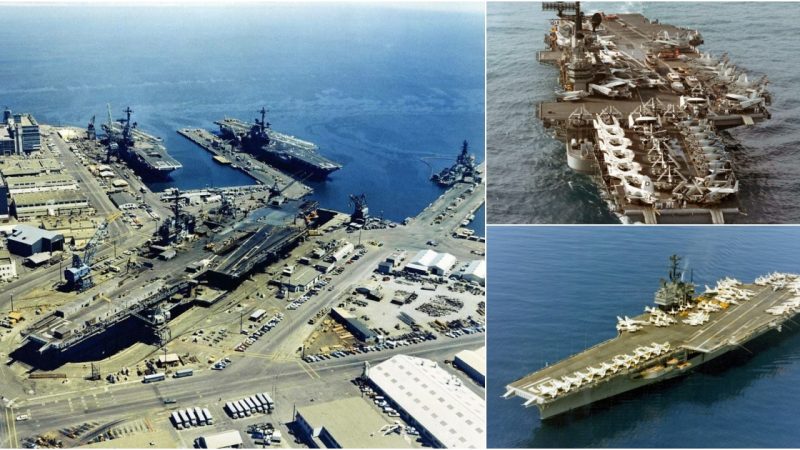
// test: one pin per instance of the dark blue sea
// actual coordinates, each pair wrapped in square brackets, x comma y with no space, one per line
[532,183]
[555,291]
[390,91]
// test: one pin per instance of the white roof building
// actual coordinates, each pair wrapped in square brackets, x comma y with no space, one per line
[226,439]
[475,271]
[473,362]
[436,402]
[432,262]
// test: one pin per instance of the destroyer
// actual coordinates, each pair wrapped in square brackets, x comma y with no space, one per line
[145,153]
[281,150]
[640,109]
[681,332]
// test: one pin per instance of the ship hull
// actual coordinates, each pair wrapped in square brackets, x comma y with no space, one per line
[291,164]
[144,170]
[624,383]
[580,163]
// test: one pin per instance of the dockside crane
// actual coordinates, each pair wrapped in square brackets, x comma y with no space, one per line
[79,274]
[360,208]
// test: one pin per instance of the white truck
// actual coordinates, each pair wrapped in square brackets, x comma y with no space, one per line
[201,418]
[184,419]
[232,410]
[176,419]
[192,417]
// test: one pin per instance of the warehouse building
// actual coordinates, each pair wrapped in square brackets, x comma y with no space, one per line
[473,363]
[392,262]
[123,200]
[445,412]
[345,423]
[342,252]
[475,271]
[300,279]
[355,326]
[57,203]
[26,240]
[428,261]
[226,439]
[41,183]
[19,167]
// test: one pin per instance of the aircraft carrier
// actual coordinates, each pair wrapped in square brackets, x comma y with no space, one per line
[294,155]
[641,109]
[680,333]
[145,153]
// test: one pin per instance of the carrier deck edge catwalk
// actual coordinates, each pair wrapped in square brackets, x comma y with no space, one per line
[640,109]
[681,332]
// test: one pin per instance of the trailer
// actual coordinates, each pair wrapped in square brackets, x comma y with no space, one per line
[240,408]
[184,419]
[192,417]
[232,410]
[245,407]
[250,404]
[209,419]
[257,402]
[263,401]
[154,377]
[176,419]
[269,401]
[201,418]
[183,373]
[257,315]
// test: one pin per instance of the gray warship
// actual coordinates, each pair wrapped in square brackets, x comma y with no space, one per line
[144,152]
[280,150]
[680,333]
[465,169]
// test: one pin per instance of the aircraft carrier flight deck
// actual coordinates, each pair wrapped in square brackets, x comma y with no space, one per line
[642,110]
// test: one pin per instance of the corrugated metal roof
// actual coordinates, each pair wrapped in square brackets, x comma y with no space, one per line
[436,400]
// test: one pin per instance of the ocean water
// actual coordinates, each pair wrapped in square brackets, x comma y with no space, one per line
[388,90]
[555,291]
[532,183]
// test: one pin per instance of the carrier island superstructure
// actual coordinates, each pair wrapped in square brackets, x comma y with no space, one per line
[681,332]
[641,110]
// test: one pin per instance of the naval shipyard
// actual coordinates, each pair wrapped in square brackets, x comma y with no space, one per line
[643,112]
[680,333]
[124,287]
